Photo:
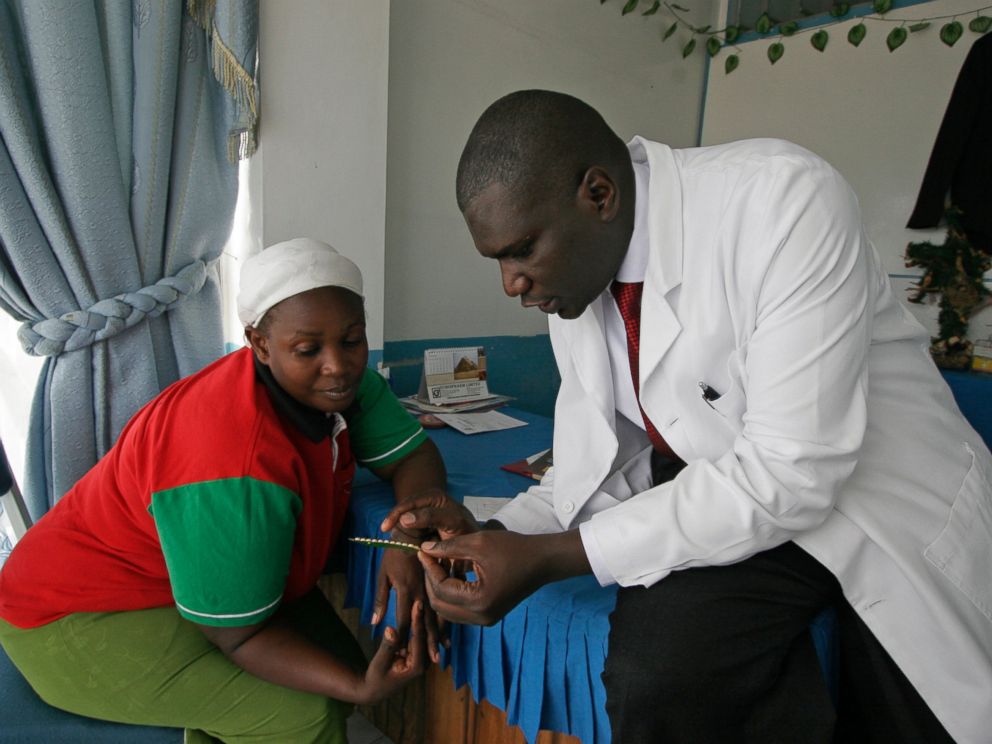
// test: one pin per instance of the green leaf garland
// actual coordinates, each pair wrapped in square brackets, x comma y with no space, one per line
[895,38]
[655,7]
[980,24]
[715,39]
[857,34]
[951,32]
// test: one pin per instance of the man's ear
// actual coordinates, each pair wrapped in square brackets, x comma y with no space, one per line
[258,343]
[599,191]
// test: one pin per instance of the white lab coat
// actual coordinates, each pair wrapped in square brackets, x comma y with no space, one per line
[833,428]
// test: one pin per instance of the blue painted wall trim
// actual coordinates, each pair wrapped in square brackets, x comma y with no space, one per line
[524,367]
[521,366]
[825,19]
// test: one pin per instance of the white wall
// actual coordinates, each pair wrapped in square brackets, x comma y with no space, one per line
[321,168]
[874,114]
[449,59]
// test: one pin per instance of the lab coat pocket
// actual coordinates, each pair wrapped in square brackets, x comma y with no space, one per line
[730,405]
[963,549]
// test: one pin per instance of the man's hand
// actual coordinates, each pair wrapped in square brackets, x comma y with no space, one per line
[431,513]
[508,567]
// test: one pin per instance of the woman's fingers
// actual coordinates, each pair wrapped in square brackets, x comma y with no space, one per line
[431,500]
[416,647]
[381,598]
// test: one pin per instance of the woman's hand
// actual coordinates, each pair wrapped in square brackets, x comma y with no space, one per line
[432,513]
[395,663]
[402,572]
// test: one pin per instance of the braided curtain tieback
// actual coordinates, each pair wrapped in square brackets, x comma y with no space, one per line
[78,329]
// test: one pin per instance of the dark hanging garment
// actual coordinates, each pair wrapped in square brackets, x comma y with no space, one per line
[961,160]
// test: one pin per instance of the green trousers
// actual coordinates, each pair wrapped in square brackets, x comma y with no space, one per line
[153,667]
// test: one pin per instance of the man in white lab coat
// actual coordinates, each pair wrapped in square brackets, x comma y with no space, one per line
[773,440]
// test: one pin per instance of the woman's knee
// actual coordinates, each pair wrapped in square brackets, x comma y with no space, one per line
[306,719]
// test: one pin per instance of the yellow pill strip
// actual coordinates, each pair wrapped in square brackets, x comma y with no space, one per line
[378,542]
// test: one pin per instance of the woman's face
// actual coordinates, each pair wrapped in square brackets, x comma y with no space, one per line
[314,343]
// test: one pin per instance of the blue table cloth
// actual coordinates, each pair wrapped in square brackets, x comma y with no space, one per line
[542,663]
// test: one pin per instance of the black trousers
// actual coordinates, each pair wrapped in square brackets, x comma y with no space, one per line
[724,654]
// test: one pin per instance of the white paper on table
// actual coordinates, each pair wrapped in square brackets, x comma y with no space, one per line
[483,507]
[476,423]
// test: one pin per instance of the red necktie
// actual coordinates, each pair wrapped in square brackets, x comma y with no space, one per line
[628,297]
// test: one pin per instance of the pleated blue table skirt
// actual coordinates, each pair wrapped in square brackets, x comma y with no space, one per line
[542,663]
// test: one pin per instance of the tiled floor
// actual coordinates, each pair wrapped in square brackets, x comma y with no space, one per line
[360,731]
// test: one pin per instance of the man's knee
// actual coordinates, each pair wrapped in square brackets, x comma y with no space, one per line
[669,672]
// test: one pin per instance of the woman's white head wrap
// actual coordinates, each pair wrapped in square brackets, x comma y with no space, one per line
[289,268]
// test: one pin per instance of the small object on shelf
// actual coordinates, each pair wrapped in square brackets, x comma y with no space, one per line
[533,467]
[378,542]
[454,375]
[413,404]
[982,359]
[478,423]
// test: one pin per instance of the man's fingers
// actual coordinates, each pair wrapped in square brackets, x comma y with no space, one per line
[445,588]
[453,549]
[455,613]
[434,572]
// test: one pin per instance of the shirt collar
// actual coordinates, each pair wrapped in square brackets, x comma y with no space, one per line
[635,263]
[315,425]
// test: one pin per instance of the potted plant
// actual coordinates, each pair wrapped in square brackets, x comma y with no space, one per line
[953,270]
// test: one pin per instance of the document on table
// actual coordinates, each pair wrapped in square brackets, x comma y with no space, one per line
[476,423]
[483,507]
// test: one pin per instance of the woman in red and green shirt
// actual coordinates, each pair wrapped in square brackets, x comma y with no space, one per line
[175,583]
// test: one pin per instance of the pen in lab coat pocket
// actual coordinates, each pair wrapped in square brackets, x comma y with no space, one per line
[708,393]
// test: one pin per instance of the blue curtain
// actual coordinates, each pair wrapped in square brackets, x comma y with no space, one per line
[121,124]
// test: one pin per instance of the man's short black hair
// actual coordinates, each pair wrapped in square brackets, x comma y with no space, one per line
[537,142]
